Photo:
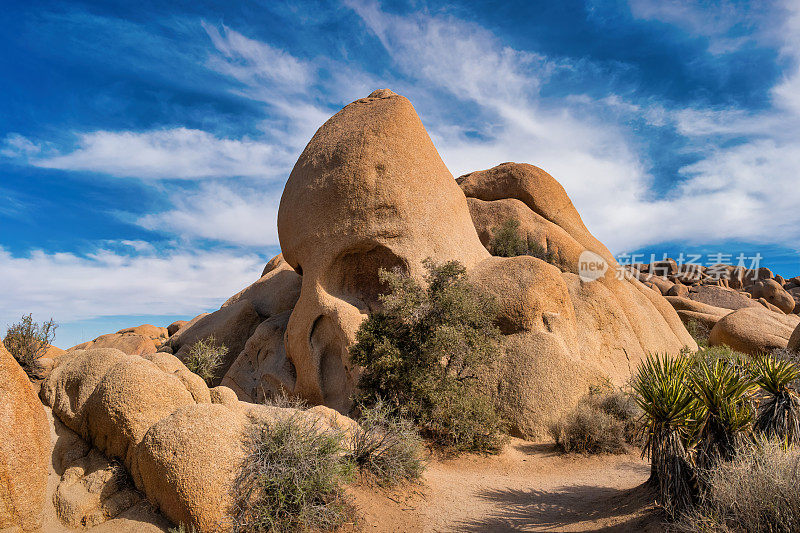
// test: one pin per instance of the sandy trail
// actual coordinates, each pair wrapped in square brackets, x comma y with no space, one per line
[528,487]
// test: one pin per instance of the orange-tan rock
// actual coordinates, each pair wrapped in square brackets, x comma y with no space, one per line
[181,450]
[754,330]
[382,198]
[24,449]
[129,343]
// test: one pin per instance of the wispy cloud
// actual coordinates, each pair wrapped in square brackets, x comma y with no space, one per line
[587,143]
[247,217]
[70,287]
[255,63]
[178,153]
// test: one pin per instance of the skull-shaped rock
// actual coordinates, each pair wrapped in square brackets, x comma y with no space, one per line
[368,192]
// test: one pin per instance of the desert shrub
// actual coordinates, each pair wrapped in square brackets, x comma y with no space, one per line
[779,407]
[284,401]
[755,492]
[205,357]
[667,405]
[589,431]
[507,241]
[387,446]
[424,353]
[604,421]
[27,341]
[291,479]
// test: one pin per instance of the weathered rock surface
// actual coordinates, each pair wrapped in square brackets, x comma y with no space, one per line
[129,343]
[382,198]
[794,341]
[24,448]
[262,370]
[231,325]
[89,492]
[754,330]
[687,309]
[563,333]
[773,293]
[157,334]
[275,292]
[173,328]
[721,297]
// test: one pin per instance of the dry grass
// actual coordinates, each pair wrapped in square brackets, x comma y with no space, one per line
[387,446]
[292,478]
[756,492]
[603,422]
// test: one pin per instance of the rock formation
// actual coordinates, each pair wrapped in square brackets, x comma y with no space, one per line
[563,333]
[369,192]
[24,449]
[138,340]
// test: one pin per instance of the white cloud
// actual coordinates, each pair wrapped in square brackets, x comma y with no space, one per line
[71,288]
[728,25]
[178,153]
[248,217]
[256,63]
[15,145]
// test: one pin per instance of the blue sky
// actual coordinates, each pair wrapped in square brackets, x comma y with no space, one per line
[144,146]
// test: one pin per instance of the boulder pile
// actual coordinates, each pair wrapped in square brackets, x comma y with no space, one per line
[180,441]
[750,310]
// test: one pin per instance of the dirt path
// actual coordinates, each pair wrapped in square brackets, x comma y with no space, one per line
[528,487]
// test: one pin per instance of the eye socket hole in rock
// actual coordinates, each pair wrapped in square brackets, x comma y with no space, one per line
[334,378]
[355,273]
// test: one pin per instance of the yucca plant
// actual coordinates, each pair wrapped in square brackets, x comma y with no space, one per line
[722,409]
[666,403]
[779,407]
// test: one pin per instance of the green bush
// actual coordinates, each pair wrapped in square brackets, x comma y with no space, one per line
[387,446]
[292,479]
[27,341]
[755,492]
[507,241]
[205,357]
[604,421]
[425,354]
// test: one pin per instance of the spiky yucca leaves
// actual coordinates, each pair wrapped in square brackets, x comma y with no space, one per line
[667,403]
[722,410]
[779,407]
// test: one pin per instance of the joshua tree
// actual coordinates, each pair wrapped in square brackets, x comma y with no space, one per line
[779,409]
[667,404]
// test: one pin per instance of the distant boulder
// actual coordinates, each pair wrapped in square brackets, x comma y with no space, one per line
[754,330]
[773,293]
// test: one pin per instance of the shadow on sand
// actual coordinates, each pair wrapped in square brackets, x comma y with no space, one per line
[568,509]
